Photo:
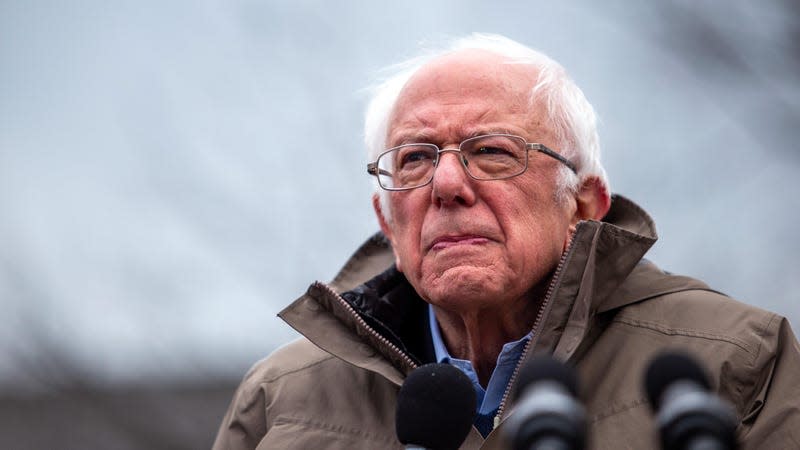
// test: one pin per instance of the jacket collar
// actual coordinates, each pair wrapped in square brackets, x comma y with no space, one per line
[600,258]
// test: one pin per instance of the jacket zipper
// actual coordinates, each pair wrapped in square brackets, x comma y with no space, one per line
[363,324]
[534,334]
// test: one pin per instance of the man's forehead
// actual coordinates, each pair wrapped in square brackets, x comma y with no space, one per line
[478,85]
[471,68]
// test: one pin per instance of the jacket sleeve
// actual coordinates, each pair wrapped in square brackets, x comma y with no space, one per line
[244,424]
[772,419]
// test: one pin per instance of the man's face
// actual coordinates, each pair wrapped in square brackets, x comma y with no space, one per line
[462,243]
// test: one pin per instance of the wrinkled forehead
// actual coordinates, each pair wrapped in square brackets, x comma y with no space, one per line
[467,79]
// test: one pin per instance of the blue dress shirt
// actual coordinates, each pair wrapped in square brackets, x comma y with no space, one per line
[488,400]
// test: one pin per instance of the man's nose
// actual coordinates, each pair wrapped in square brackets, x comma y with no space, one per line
[451,183]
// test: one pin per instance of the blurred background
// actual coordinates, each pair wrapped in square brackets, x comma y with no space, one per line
[173,173]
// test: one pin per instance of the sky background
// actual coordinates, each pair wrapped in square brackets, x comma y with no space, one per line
[172,174]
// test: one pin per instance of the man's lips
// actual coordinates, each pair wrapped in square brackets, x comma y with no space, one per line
[452,241]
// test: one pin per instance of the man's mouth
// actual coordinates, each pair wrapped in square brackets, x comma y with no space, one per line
[452,241]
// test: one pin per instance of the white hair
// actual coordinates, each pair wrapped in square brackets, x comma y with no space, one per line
[571,117]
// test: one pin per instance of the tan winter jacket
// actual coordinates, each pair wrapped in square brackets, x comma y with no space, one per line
[607,311]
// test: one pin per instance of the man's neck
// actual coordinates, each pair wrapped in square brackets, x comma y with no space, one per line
[479,335]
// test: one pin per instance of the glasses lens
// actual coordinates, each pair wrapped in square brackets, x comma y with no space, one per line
[495,156]
[406,166]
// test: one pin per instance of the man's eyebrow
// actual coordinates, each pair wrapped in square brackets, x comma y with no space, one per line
[484,131]
[412,138]
[427,138]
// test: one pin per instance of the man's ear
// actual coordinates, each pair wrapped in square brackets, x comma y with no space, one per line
[593,200]
[387,230]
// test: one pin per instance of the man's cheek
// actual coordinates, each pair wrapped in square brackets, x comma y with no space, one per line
[403,254]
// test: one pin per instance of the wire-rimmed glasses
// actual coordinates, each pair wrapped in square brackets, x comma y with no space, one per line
[486,157]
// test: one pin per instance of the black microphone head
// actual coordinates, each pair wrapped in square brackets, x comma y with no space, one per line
[547,413]
[544,367]
[667,368]
[435,407]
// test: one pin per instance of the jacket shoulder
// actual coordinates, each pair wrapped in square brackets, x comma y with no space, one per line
[302,397]
[735,342]
[245,422]
[295,356]
[750,355]
[705,315]
[661,303]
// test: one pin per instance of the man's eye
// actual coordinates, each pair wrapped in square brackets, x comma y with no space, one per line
[414,157]
[486,150]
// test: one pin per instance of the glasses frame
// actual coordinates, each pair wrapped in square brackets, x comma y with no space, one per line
[373,169]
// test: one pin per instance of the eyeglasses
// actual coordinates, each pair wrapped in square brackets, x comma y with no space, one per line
[487,157]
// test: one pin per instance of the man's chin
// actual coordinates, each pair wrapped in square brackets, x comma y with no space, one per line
[460,284]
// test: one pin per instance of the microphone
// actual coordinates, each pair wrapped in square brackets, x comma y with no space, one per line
[688,415]
[548,414]
[435,408]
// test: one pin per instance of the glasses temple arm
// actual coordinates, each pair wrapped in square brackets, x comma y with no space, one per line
[553,154]
[373,169]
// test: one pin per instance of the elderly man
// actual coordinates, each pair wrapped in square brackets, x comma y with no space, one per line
[500,240]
